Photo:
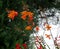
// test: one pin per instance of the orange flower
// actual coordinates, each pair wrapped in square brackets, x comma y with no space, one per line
[23,17]
[47,36]
[12,14]
[37,28]
[30,14]
[30,17]
[25,14]
[48,27]
[28,28]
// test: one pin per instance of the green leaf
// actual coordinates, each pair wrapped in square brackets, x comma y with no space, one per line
[2,17]
[7,44]
[0,3]
[20,41]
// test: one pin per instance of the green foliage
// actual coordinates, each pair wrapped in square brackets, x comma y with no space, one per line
[0,3]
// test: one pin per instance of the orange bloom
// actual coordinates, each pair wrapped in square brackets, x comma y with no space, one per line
[25,14]
[23,17]
[48,27]
[47,36]
[12,14]
[30,14]
[28,28]
[37,28]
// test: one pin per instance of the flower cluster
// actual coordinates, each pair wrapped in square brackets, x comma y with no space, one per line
[27,20]
[25,15]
